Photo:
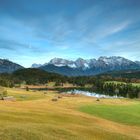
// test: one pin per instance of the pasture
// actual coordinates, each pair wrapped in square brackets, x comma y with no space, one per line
[118,82]
[34,116]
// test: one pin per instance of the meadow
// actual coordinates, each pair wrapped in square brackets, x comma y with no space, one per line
[118,82]
[34,116]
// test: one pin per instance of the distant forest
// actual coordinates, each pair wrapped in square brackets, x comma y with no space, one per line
[32,76]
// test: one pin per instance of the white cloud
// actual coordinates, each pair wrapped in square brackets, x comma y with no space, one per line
[112,29]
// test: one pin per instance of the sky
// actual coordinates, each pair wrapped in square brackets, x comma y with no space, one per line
[35,31]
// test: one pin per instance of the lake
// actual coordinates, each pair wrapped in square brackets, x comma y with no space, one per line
[91,94]
[82,90]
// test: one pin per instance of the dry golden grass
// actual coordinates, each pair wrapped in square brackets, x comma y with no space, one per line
[49,85]
[38,118]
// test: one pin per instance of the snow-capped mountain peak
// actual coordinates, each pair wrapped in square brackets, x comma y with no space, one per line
[81,63]
[62,62]
[36,65]
[102,64]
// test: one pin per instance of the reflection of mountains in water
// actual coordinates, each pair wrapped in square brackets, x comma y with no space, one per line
[92,94]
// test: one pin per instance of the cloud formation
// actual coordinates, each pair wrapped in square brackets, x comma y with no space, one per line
[42,29]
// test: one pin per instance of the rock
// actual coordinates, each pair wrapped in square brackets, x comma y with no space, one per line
[9,98]
[97,99]
[55,99]
[59,96]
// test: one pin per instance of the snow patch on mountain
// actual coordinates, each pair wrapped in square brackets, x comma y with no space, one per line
[103,62]
[36,65]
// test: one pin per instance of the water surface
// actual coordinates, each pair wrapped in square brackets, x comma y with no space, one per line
[92,94]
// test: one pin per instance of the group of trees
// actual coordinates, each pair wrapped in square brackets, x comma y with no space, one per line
[125,88]
[35,77]
[121,89]
[6,80]
[30,77]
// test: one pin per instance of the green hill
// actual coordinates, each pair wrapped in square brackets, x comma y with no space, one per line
[30,76]
[123,74]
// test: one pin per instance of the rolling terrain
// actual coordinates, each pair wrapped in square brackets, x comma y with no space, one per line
[86,67]
[7,66]
[124,74]
[34,116]
[79,67]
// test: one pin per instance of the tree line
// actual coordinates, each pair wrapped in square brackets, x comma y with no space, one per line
[98,83]
[120,89]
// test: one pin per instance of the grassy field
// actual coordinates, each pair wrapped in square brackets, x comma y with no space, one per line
[129,114]
[136,84]
[117,82]
[34,116]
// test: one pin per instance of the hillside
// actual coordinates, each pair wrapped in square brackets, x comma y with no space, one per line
[63,70]
[86,67]
[34,116]
[79,67]
[7,66]
[35,76]
[124,74]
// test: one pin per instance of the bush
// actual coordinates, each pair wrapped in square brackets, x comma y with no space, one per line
[3,93]
[55,99]
[27,89]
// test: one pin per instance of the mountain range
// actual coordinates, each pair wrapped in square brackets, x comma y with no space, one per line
[79,67]
[7,66]
[82,67]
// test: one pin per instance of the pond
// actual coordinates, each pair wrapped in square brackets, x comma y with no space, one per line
[91,94]
[84,91]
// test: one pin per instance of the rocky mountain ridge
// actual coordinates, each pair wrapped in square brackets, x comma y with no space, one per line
[7,66]
[89,66]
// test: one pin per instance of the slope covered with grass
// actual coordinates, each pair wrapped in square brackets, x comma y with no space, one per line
[39,118]
[129,114]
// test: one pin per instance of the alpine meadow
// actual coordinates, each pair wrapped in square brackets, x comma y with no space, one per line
[69,70]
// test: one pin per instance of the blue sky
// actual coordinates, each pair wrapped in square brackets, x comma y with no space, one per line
[35,31]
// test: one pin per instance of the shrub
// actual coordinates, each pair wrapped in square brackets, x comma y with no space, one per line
[55,99]
[3,93]
[27,89]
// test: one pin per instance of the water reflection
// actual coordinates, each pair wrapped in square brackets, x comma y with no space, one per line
[91,94]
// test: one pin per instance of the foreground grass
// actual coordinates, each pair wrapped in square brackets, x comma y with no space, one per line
[22,95]
[129,114]
[36,117]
